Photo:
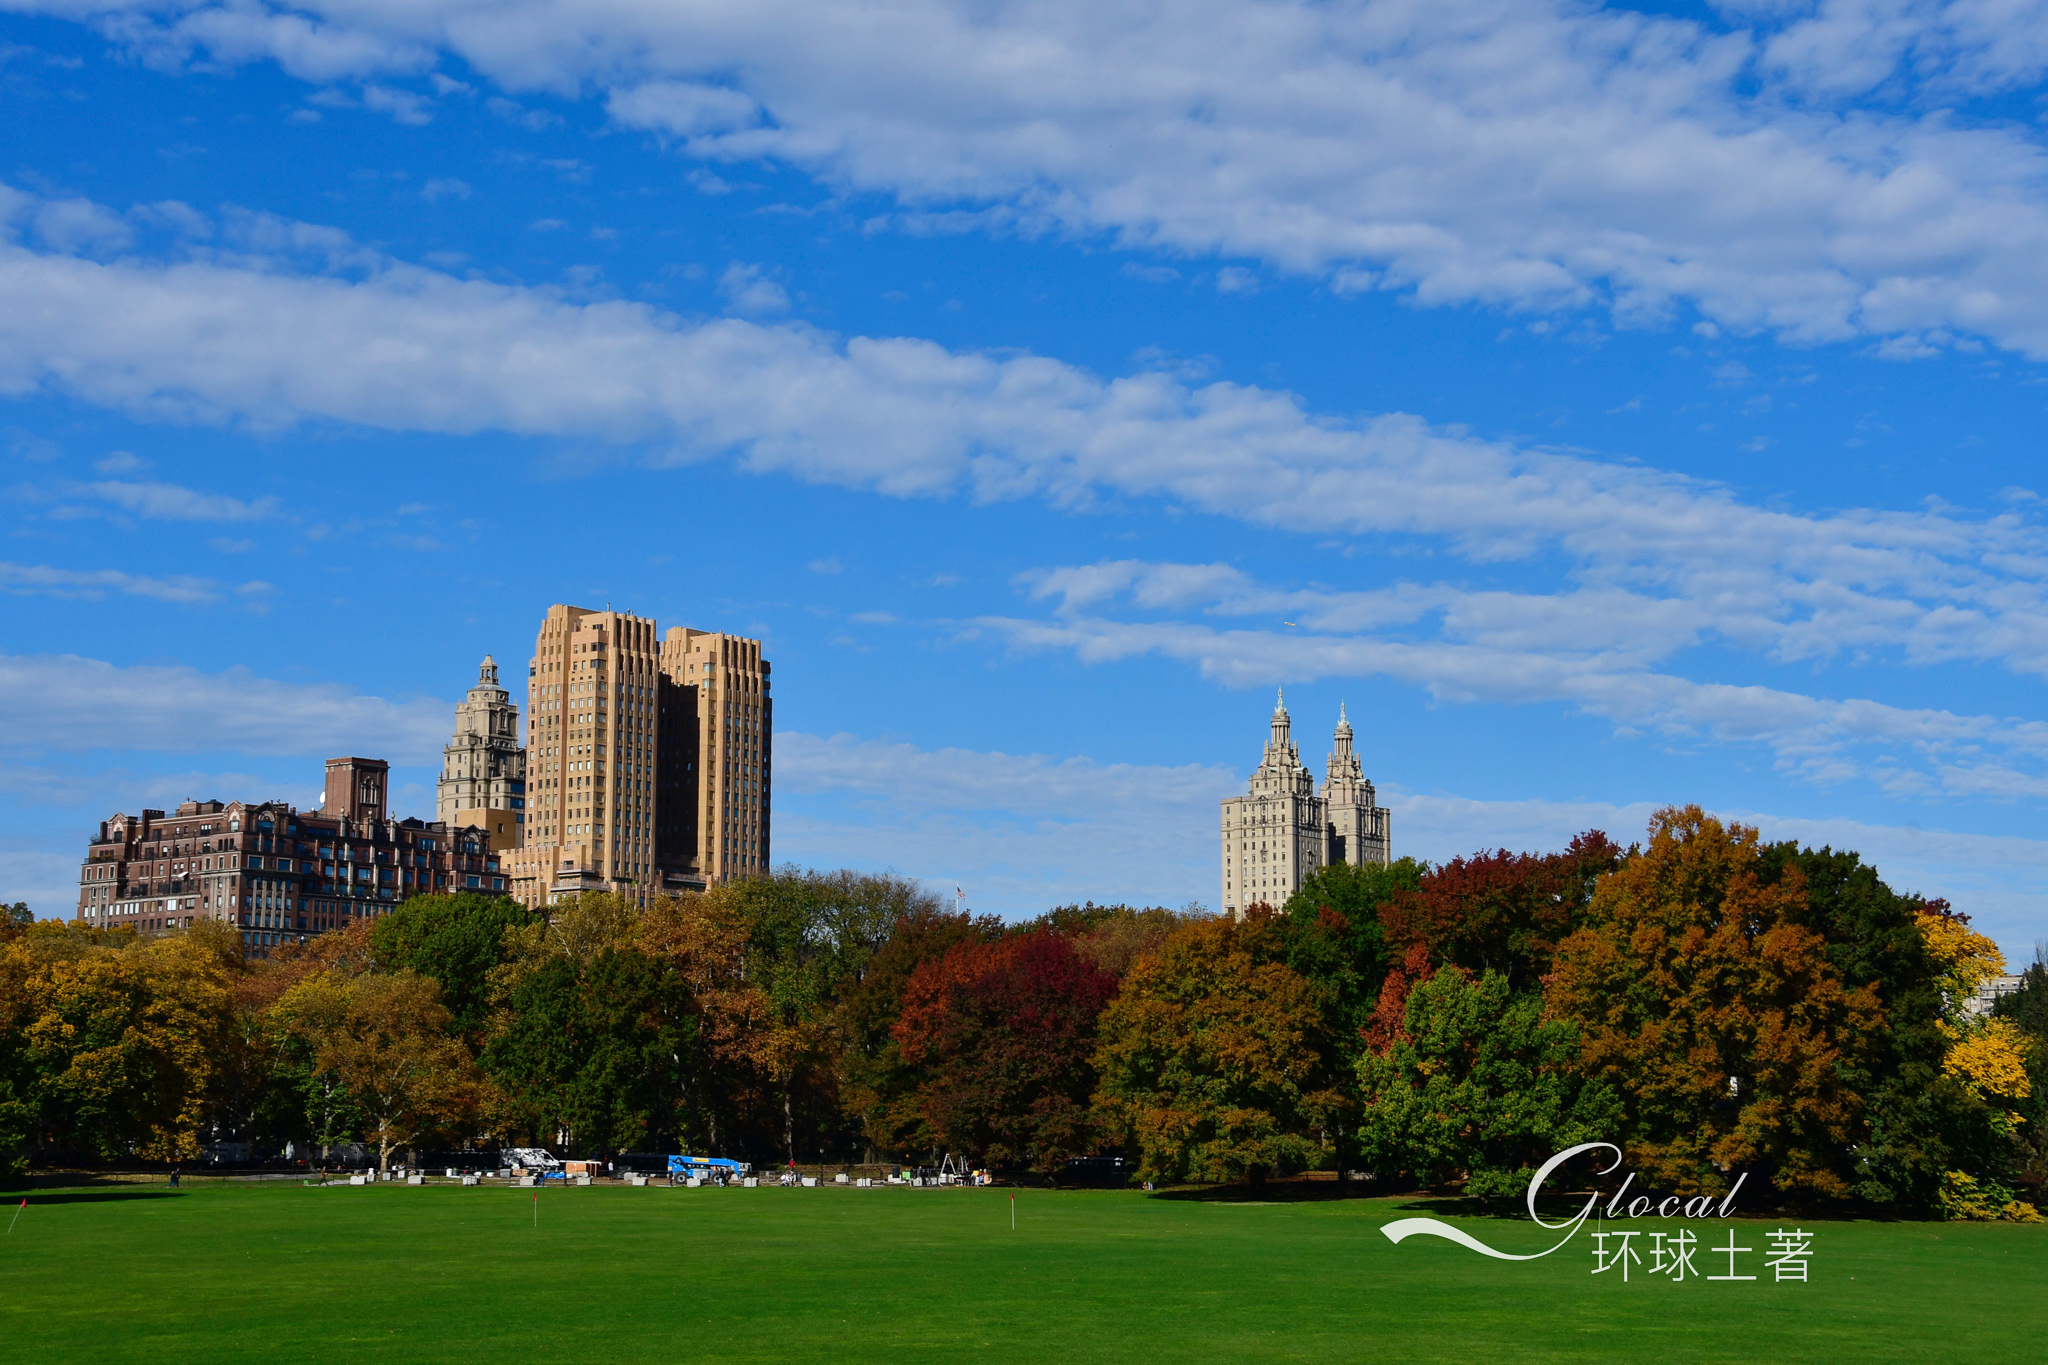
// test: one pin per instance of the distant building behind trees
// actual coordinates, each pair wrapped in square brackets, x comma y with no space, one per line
[1282,830]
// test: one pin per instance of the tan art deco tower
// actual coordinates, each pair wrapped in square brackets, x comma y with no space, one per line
[647,759]
[716,759]
[591,735]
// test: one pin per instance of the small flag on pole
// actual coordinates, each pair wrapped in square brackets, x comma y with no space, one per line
[17,1214]
[1013,1210]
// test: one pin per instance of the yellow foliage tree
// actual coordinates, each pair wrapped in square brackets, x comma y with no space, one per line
[1967,958]
[111,1043]
[1991,1059]
[385,1038]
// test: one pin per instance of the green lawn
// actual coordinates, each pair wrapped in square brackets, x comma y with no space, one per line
[222,1273]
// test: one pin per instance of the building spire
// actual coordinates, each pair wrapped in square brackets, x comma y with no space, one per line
[1280,749]
[487,672]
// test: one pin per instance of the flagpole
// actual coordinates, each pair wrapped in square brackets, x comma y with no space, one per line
[17,1216]
[1013,1210]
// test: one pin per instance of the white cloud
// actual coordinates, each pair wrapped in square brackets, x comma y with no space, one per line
[1535,153]
[1606,622]
[121,462]
[41,579]
[444,189]
[1840,48]
[67,703]
[1812,737]
[1657,561]
[749,292]
[403,105]
[170,502]
[968,780]
[78,225]
[46,878]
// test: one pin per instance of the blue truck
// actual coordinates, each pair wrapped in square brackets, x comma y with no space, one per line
[707,1168]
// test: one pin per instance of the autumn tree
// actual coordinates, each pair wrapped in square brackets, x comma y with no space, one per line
[807,940]
[108,1043]
[1003,1032]
[879,1086]
[770,962]
[269,1091]
[1715,1013]
[1500,911]
[1478,1085]
[385,1039]
[1113,937]
[1215,1059]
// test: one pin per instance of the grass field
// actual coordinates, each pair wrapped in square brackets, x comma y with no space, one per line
[237,1272]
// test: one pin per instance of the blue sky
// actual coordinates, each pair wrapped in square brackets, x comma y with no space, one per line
[1613,407]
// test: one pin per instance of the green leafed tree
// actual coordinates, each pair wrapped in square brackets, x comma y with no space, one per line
[1333,937]
[1918,1123]
[456,938]
[1478,1085]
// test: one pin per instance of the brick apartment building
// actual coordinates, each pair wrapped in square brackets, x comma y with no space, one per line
[278,874]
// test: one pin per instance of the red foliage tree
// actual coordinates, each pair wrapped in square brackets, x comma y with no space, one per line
[1004,1033]
[1502,912]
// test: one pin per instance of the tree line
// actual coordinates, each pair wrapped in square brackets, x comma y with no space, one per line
[1712,1002]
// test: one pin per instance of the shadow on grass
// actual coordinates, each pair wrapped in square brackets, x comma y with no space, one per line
[1271,1192]
[1417,1202]
[37,1198]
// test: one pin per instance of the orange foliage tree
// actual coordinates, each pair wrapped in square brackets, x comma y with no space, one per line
[1215,1058]
[1701,999]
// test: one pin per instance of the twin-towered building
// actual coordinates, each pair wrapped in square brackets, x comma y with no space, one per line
[646,768]
[648,758]
[1282,830]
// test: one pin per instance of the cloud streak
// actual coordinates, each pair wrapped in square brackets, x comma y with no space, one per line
[1647,565]
[1591,651]
[92,584]
[71,704]
[1527,153]
[258,341]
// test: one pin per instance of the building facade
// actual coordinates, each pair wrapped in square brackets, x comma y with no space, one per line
[1277,835]
[717,756]
[647,758]
[1360,828]
[483,767]
[278,874]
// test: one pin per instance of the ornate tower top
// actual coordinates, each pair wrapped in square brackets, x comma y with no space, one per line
[1344,769]
[487,675]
